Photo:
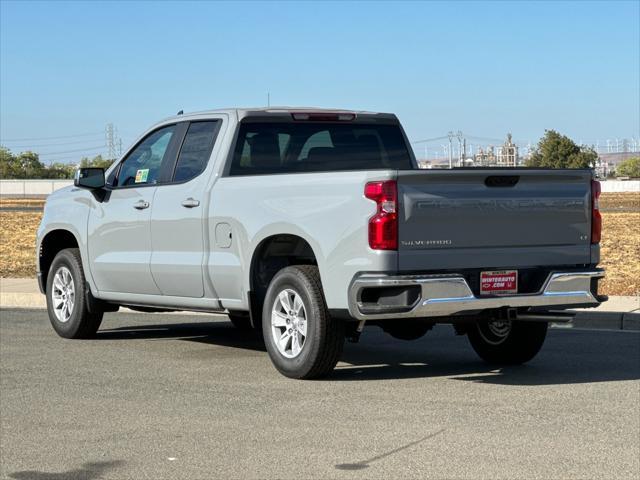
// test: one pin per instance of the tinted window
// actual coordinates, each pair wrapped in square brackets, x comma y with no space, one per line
[319,139]
[142,165]
[314,147]
[195,151]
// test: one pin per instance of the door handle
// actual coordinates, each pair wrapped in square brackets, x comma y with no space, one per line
[190,203]
[141,205]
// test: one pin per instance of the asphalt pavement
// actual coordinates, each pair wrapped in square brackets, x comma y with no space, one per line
[178,396]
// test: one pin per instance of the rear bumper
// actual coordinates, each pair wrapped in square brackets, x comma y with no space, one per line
[444,295]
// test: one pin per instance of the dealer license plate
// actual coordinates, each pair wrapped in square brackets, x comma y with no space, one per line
[498,282]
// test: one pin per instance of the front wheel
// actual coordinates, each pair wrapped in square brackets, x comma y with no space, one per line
[66,300]
[507,342]
[302,339]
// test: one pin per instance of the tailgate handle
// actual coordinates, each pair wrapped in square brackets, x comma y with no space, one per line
[501,180]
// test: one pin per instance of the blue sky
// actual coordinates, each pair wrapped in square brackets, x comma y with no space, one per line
[481,67]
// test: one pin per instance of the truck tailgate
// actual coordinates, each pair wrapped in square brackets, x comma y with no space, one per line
[477,218]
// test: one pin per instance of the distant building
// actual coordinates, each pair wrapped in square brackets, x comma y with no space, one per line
[485,158]
[505,155]
[508,153]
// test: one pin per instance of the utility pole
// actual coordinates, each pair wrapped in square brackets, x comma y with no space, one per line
[460,151]
[450,135]
[268,99]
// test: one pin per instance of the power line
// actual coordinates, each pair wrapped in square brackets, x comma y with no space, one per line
[430,139]
[50,138]
[91,140]
[487,139]
[46,154]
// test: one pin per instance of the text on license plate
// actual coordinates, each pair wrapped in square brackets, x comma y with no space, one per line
[499,281]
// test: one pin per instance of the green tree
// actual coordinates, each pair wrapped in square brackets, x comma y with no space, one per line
[60,170]
[97,161]
[30,165]
[24,165]
[629,168]
[27,165]
[559,151]
[8,163]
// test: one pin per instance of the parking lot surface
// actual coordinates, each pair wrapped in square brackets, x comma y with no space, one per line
[178,396]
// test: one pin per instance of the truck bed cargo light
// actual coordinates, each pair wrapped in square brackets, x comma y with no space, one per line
[323,116]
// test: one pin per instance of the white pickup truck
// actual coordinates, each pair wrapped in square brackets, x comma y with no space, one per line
[305,224]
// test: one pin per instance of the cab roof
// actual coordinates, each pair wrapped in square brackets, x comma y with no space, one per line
[279,111]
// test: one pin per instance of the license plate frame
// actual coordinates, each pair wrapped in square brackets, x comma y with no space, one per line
[499,282]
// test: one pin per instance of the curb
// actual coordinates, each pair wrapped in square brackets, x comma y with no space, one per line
[604,321]
[22,300]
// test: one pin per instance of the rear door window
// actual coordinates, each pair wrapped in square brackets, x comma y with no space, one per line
[196,150]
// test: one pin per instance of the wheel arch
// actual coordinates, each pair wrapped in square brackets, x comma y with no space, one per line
[273,253]
[53,242]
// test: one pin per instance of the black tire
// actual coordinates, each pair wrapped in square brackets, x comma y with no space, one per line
[324,338]
[240,320]
[81,323]
[519,344]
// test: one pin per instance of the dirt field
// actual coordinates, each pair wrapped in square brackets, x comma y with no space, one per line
[620,241]
[620,201]
[21,202]
[18,243]
[620,253]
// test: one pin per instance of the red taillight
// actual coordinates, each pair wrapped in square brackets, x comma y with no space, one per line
[596,218]
[383,226]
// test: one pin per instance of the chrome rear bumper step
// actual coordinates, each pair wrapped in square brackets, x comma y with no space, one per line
[444,295]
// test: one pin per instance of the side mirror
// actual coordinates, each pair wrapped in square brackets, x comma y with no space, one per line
[91,178]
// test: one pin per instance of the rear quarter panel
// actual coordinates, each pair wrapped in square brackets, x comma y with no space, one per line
[328,210]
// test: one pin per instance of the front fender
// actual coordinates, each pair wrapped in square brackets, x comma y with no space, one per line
[68,210]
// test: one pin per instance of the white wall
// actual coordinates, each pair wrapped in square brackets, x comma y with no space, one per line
[611,186]
[28,188]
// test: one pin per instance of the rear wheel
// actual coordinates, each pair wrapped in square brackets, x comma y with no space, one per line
[302,339]
[67,297]
[507,342]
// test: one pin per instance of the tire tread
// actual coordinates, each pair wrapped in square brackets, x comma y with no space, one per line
[329,339]
[89,321]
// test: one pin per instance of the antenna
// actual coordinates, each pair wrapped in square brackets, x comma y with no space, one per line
[180,112]
[268,99]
